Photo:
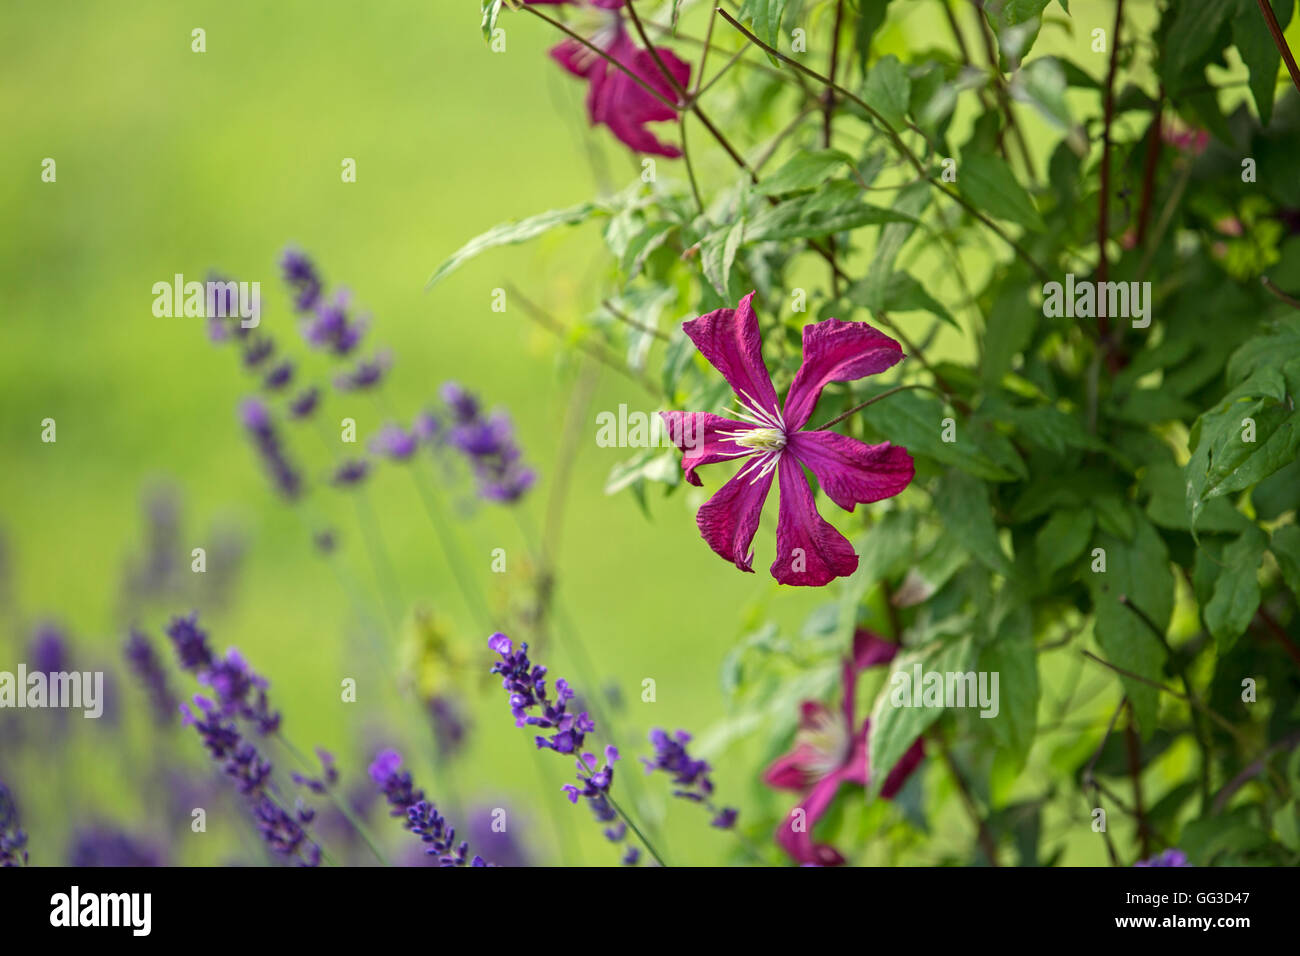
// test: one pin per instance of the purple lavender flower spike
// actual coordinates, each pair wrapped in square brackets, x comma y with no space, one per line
[394,443]
[304,403]
[690,776]
[256,418]
[488,445]
[531,707]
[279,377]
[367,373]
[300,275]
[13,841]
[422,817]
[350,473]
[1170,857]
[191,643]
[103,845]
[145,663]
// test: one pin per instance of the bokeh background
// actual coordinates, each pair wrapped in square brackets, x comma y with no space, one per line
[171,161]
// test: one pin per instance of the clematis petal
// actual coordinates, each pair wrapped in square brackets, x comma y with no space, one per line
[856,769]
[702,439]
[729,339]
[905,767]
[794,833]
[809,551]
[852,472]
[869,650]
[835,351]
[730,518]
[792,771]
[625,106]
[576,58]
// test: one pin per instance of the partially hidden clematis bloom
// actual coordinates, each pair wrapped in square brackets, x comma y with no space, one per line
[614,99]
[830,750]
[808,550]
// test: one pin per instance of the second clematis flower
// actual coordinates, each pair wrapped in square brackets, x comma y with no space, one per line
[809,551]
[830,750]
[614,98]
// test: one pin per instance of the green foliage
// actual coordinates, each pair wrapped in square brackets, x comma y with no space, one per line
[1119,477]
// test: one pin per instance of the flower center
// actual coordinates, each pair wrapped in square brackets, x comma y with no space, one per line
[762,439]
[828,744]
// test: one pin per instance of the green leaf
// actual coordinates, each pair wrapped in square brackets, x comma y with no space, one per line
[962,501]
[871,291]
[1137,570]
[804,170]
[895,727]
[871,14]
[1255,44]
[765,17]
[1196,24]
[916,422]
[511,233]
[1286,548]
[987,181]
[1062,539]
[1236,592]
[492,10]
[643,245]
[718,254]
[888,90]
[813,216]
[903,293]
[1013,658]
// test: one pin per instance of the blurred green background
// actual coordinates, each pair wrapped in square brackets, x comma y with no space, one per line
[173,161]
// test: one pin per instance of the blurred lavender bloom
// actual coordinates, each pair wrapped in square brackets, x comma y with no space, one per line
[491,830]
[304,403]
[279,377]
[101,845]
[256,418]
[690,776]
[148,668]
[49,650]
[1170,857]
[448,725]
[350,473]
[191,643]
[330,327]
[422,817]
[426,427]
[367,373]
[328,778]
[240,692]
[257,352]
[488,445]
[300,274]
[13,840]
[156,572]
[241,761]
[394,443]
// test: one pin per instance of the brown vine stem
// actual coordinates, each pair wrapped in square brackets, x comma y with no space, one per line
[1273,290]
[551,324]
[985,836]
[1103,202]
[896,141]
[1280,41]
[1149,168]
[1195,702]
[1089,778]
[1133,754]
[1000,90]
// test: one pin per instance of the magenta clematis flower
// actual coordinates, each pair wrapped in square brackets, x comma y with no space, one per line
[614,99]
[829,751]
[808,550]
